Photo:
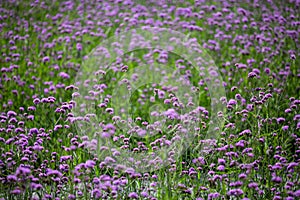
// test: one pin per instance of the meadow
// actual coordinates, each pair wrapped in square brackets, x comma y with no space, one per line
[91,91]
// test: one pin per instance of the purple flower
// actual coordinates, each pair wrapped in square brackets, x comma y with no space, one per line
[11,114]
[289,198]
[297,193]
[221,168]
[71,197]
[171,114]
[280,120]
[213,195]
[57,127]
[144,194]
[238,96]
[33,131]
[285,128]
[161,94]
[296,117]
[65,158]
[277,179]
[36,186]
[96,193]
[293,56]
[221,161]
[78,46]
[250,107]
[30,117]
[252,185]
[16,191]
[235,192]
[288,110]
[23,171]
[38,148]
[245,132]
[11,178]
[36,101]
[240,143]
[252,75]
[242,176]
[46,59]
[64,75]
[31,108]
[105,178]
[51,172]
[236,184]
[232,102]
[109,110]
[168,101]
[298,125]
[276,197]
[90,164]
[292,165]
[133,195]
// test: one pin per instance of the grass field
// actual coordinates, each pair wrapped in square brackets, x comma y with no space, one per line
[70,123]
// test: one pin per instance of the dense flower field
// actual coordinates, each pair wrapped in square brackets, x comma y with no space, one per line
[58,121]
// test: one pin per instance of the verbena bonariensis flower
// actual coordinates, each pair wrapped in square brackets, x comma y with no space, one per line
[43,52]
